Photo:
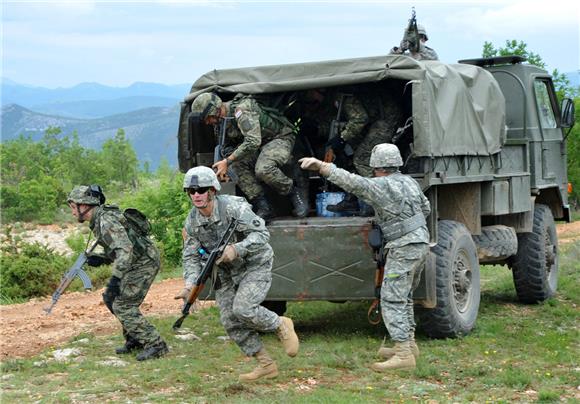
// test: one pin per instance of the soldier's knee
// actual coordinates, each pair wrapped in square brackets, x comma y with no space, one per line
[243,312]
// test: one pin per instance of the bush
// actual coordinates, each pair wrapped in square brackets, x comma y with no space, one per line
[29,270]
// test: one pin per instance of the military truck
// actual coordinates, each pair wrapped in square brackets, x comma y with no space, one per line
[484,138]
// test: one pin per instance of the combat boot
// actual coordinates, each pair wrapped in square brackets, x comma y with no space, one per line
[388,352]
[348,206]
[130,346]
[288,336]
[266,369]
[262,208]
[401,360]
[154,351]
[298,202]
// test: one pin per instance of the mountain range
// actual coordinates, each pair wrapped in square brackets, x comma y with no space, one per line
[148,112]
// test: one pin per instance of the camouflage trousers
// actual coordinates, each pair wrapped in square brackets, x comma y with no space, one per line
[402,274]
[134,287]
[265,167]
[379,132]
[240,312]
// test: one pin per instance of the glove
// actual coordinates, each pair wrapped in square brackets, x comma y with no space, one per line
[337,143]
[228,255]
[313,164]
[184,294]
[96,260]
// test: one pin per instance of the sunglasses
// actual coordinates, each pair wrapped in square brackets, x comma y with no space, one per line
[200,190]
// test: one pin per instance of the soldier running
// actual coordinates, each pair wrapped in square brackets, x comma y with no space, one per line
[135,264]
[244,271]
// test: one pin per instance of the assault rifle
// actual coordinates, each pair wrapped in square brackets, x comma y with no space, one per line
[75,270]
[218,151]
[411,38]
[375,240]
[206,272]
[335,127]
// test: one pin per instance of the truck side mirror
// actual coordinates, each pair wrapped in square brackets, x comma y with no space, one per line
[568,117]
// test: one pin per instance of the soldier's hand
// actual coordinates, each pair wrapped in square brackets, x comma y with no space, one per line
[310,163]
[184,294]
[228,255]
[221,168]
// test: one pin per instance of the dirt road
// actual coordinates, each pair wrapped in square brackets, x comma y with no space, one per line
[26,329]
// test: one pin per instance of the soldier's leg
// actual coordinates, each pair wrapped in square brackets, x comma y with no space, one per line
[421,250]
[379,132]
[273,155]
[247,180]
[134,288]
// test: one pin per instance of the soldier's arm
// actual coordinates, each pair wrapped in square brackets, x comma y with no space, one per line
[190,255]
[357,117]
[365,188]
[249,124]
[114,236]
[253,227]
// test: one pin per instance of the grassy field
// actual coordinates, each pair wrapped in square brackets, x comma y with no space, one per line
[516,353]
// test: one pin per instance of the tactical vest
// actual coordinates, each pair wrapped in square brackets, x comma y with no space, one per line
[272,123]
[136,225]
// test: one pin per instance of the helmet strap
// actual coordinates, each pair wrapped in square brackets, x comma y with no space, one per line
[81,214]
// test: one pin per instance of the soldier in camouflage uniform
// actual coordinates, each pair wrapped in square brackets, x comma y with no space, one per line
[135,264]
[401,209]
[265,141]
[425,52]
[243,271]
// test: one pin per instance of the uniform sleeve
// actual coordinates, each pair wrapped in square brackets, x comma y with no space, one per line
[115,237]
[253,227]
[248,122]
[191,258]
[425,205]
[365,188]
[356,116]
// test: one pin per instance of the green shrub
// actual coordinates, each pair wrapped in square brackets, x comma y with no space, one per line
[29,270]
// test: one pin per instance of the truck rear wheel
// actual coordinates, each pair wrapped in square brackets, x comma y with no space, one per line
[457,280]
[535,266]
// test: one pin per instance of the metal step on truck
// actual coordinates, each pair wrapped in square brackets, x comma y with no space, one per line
[485,138]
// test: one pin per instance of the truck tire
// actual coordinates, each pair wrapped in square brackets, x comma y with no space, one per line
[457,281]
[496,243]
[535,266]
[277,306]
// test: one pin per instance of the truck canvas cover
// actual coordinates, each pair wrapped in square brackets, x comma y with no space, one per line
[457,109]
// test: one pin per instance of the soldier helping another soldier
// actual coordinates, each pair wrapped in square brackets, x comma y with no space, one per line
[400,211]
[135,264]
[243,271]
[265,139]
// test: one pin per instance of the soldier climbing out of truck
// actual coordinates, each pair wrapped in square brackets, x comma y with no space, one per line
[400,211]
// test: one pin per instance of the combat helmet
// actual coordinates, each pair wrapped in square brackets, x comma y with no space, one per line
[200,177]
[206,104]
[386,155]
[87,195]
[421,31]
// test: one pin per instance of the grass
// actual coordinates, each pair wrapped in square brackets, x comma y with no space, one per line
[516,353]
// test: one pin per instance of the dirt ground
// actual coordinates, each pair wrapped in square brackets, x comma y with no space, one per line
[26,330]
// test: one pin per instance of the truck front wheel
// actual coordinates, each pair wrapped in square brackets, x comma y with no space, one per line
[457,280]
[535,266]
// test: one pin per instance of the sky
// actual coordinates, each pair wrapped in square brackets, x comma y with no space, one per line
[62,43]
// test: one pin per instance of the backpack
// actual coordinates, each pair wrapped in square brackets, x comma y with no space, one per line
[137,222]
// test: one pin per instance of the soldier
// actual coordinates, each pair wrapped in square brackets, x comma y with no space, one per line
[425,52]
[401,209]
[267,139]
[135,264]
[325,106]
[243,271]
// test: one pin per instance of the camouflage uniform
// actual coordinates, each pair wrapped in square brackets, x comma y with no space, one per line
[395,198]
[136,263]
[264,140]
[244,282]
